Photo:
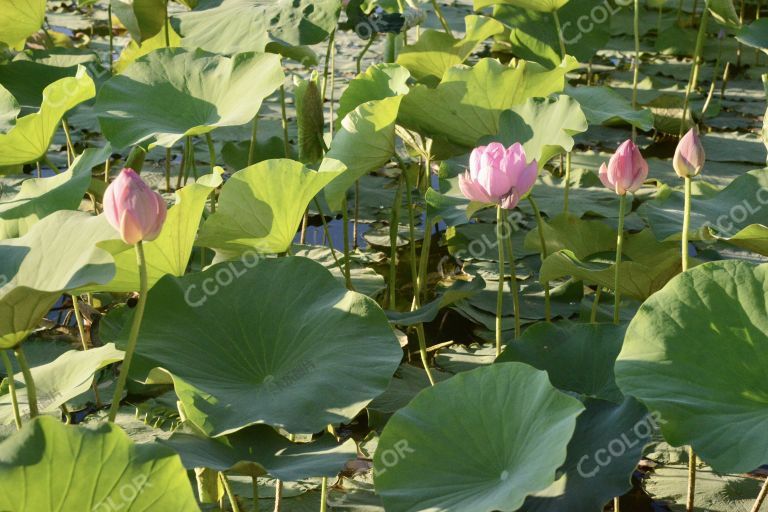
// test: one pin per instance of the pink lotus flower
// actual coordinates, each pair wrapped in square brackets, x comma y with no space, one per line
[626,171]
[134,209]
[498,175]
[689,155]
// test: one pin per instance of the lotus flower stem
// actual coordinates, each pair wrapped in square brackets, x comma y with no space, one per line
[345,220]
[183,168]
[167,169]
[686,222]
[356,218]
[636,73]
[68,137]
[691,498]
[544,254]
[327,234]
[284,120]
[500,290]
[359,60]
[111,36]
[230,494]
[324,494]
[332,102]
[514,285]
[29,382]
[761,497]
[694,78]
[255,487]
[212,157]
[326,65]
[559,29]
[443,21]
[567,180]
[393,225]
[11,388]
[278,494]
[426,245]
[79,321]
[619,249]
[254,140]
[167,27]
[133,336]
[595,305]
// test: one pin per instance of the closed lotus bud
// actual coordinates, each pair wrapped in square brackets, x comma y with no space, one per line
[689,155]
[498,175]
[626,171]
[134,209]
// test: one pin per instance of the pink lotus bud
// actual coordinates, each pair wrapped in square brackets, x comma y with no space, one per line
[134,209]
[626,171]
[498,175]
[689,155]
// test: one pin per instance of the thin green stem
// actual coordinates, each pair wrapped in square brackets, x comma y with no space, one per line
[167,169]
[29,382]
[513,283]
[133,336]
[230,495]
[356,217]
[328,236]
[394,222]
[326,65]
[567,179]
[761,497]
[70,146]
[686,223]
[50,164]
[284,121]
[11,388]
[636,76]
[500,289]
[167,27]
[278,494]
[254,140]
[616,504]
[255,487]
[544,255]
[443,21]
[595,305]
[79,321]
[345,219]
[619,249]
[324,495]
[111,36]
[359,60]
[332,101]
[691,498]
[212,157]
[426,246]
[697,60]
[559,29]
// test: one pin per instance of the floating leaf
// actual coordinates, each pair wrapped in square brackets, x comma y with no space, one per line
[280,343]
[273,195]
[519,425]
[603,105]
[172,93]
[104,471]
[696,353]
[534,5]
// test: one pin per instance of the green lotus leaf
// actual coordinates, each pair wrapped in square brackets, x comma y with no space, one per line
[467,105]
[545,127]
[9,109]
[506,441]
[167,254]
[133,50]
[602,456]
[172,93]
[646,267]
[29,139]
[58,254]
[603,105]
[578,357]
[737,214]
[365,143]
[755,34]
[534,36]
[696,353]
[95,469]
[280,342]
[534,5]
[40,197]
[142,18]
[259,451]
[26,80]
[67,377]
[459,290]
[376,83]
[21,19]
[435,52]
[725,13]
[231,26]
[273,195]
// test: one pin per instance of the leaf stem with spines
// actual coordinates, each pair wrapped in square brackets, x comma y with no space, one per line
[619,249]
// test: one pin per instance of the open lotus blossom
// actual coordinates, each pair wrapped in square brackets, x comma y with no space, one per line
[689,155]
[626,171]
[134,209]
[498,175]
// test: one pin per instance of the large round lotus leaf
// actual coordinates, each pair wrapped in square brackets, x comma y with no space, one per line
[230,26]
[58,254]
[481,441]
[96,469]
[259,451]
[280,343]
[171,93]
[30,137]
[534,5]
[697,352]
[602,455]
[20,19]
[142,18]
